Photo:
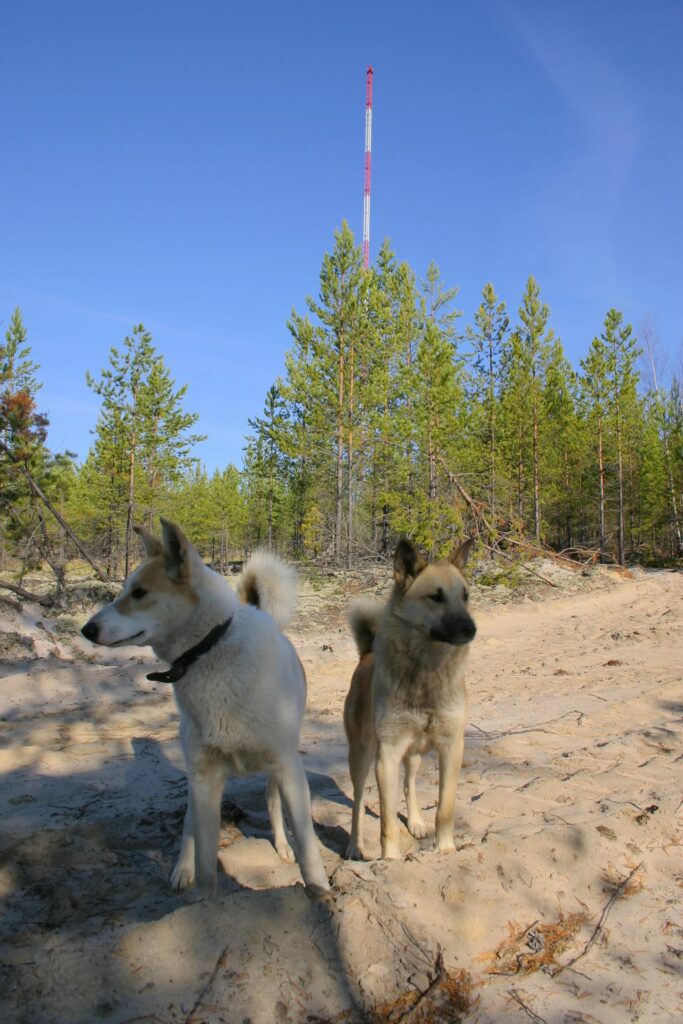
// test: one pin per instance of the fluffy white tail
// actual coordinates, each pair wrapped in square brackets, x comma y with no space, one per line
[270,585]
[364,616]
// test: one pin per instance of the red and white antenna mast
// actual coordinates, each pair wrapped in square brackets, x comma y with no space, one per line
[368,163]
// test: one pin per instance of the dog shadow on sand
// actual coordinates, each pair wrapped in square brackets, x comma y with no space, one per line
[91,871]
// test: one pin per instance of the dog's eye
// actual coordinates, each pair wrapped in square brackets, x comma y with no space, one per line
[438,596]
[138,593]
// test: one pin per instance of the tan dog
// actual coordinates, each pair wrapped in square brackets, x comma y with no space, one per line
[408,694]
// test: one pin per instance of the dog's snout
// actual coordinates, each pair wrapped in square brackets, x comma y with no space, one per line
[454,629]
[90,631]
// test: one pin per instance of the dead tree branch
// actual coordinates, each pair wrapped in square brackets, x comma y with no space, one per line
[26,595]
[60,519]
[603,917]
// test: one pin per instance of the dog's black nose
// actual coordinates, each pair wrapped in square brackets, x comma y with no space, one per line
[90,631]
[454,629]
[468,629]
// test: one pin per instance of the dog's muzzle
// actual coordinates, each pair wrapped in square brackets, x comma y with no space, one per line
[454,629]
[91,631]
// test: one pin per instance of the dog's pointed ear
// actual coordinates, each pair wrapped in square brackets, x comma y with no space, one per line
[408,562]
[151,544]
[177,552]
[461,555]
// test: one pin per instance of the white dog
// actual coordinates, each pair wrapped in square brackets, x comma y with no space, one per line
[238,683]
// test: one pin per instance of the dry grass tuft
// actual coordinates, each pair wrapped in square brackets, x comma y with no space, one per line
[446,1001]
[535,947]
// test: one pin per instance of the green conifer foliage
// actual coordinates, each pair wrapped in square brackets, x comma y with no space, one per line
[142,441]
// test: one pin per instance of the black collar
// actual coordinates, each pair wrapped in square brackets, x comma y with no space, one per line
[180,666]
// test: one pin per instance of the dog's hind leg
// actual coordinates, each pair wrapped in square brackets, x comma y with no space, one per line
[206,789]
[361,755]
[274,801]
[416,826]
[291,781]
[450,761]
[183,872]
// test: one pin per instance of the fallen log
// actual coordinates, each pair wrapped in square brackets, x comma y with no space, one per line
[26,595]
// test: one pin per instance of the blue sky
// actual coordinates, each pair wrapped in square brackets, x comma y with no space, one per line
[185,165]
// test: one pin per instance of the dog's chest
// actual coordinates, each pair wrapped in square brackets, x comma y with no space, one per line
[214,715]
[430,707]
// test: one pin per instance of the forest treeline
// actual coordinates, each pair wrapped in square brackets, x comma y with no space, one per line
[391,417]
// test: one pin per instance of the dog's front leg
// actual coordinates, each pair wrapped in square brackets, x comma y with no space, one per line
[387,771]
[450,761]
[416,826]
[206,789]
[183,872]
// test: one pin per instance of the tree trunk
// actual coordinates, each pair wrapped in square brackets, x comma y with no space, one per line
[620,498]
[631,501]
[673,505]
[492,432]
[520,481]
[537,502]
[129,510]
[567,506]
[339,494]
[537,497]
[349,514]
[601,474]
[432,491]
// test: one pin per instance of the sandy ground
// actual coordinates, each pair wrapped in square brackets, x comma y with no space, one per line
[561,904]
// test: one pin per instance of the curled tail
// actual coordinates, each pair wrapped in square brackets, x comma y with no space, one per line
[364,616]
[270,585]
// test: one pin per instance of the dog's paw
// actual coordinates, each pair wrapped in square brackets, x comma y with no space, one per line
[354,851]
[391,851]
[418,829]
[285,852]
[182,876]
[318,891]
[445,845]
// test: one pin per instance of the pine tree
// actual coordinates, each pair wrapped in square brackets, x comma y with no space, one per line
[487,337]
[622,377]
[142,438]
[534,345]
[325,369]
[400,323]
[339,309]
[665,411]
[22,429]
[561,445]
[265,455]
[595,398]
[28,471]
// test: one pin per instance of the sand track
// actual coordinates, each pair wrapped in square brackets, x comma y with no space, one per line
[567,834]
